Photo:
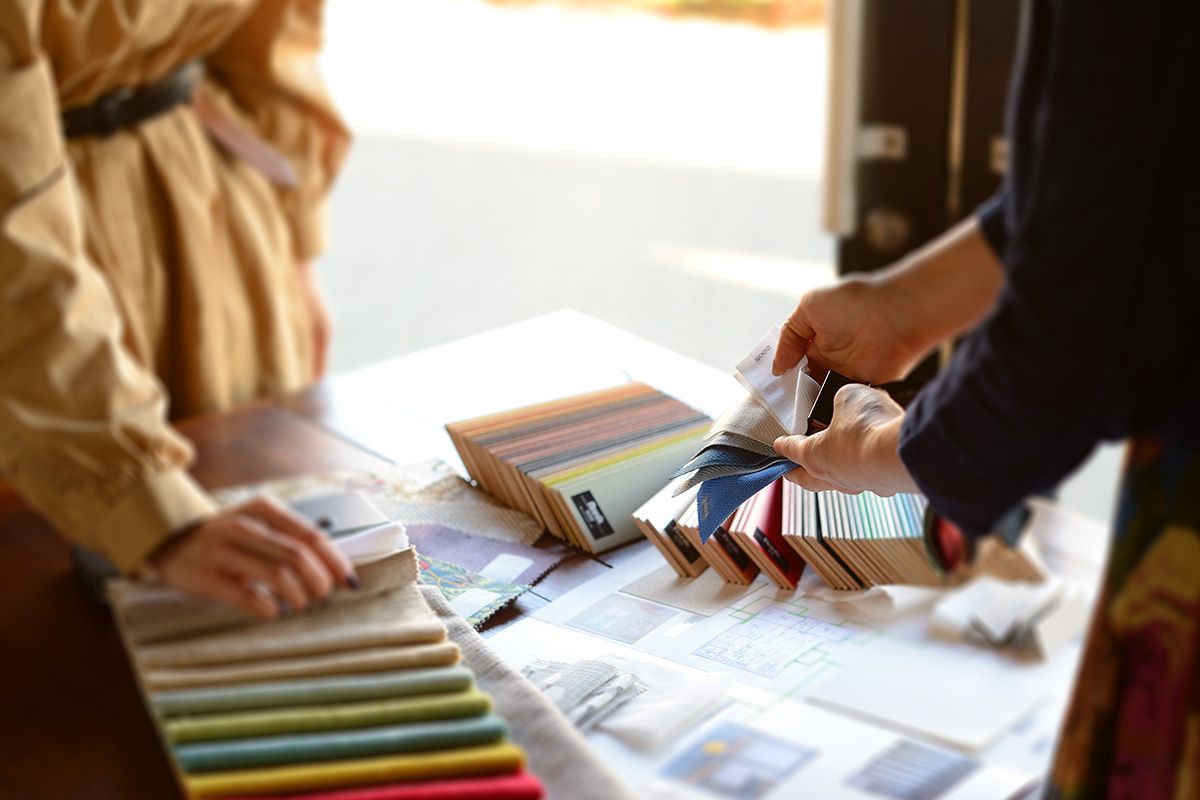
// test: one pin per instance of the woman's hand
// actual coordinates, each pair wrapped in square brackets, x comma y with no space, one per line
[858,451]
[876,329]
[257,556]
[319,320]
[854,327]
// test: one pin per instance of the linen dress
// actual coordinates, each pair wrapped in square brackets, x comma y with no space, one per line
[149,274]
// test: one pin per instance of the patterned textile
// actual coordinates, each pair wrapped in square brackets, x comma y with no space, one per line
[1133,729]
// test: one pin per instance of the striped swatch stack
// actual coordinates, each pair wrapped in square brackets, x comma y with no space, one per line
[363,699]
[581,464]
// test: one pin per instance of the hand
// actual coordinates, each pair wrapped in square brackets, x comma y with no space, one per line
[854,327]
[858,451]
[877,329]
[319,320]
[258,557]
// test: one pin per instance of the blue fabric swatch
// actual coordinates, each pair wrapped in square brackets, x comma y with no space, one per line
[723,455]
[720,497]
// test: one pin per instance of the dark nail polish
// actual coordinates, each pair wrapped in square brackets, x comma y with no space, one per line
[353,582]
[285,608]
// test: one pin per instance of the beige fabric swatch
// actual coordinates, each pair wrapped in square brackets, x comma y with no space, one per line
[748,418]
[154,613]
[557,753]
[372,660]
[391,613]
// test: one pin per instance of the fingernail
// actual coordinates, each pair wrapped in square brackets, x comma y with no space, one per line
[353,582]
[285,608]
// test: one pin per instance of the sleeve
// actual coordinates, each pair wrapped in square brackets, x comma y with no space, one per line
[993,223]
[268,68]
[1043,378]
[83,435]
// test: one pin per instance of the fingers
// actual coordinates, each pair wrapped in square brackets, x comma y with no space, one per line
[288,523]
[794,339]
[277,579]
[801,477]
[805,451]
[286,557]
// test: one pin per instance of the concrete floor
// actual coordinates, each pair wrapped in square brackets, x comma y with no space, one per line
[690,220]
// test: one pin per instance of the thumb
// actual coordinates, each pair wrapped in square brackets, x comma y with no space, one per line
[794,340]
[792,448]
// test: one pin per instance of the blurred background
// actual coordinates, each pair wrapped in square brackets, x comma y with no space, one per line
[654,163]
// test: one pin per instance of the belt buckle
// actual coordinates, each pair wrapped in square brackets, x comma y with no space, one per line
[108,111]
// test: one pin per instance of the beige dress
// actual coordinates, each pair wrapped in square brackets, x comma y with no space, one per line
[149,273]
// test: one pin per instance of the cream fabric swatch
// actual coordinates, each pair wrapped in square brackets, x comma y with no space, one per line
[557,752]
[153,613]
[748,418]
[371,660]
[390,614]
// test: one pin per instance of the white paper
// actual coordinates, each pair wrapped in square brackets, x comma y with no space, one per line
[473,600]
[790,396]
[373,543]
[506,567]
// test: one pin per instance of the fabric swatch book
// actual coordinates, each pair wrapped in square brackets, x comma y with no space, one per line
[366,691]
[581,465]
[740,518]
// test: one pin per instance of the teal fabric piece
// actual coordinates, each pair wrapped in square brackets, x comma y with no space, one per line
[312,691]
[333,746]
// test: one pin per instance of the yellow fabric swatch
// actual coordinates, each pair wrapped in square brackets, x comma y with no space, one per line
[453,705]
[468,761]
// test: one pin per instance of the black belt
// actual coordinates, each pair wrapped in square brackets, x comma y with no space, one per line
[127,107]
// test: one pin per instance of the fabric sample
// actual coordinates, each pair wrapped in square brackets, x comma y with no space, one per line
[478,553]
[313,747]
[470,703]
[788,397]
[521,786]
[720,497]
[361,661]
[750,419]
[155,613]
[724,471]
[493,759]
[558,755]
[394,616]
[315,691]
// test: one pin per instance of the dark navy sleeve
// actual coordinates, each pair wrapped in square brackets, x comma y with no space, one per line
[992,222]
[1090,336]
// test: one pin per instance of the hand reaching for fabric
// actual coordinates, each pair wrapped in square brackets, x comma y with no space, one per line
[853,327]
[857,452]
[257,556]
[877,328]
[319,319]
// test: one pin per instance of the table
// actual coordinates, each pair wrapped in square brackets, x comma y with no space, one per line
[71,722]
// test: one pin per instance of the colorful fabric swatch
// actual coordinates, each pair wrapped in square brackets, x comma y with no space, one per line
[314,691]
[521,786]
[314,747]
[495,759]
[327,717]
[374,659]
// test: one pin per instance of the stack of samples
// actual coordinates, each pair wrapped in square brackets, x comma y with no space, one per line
[363,697]
[582,464]
[861,540]
[851,541]
[750,541]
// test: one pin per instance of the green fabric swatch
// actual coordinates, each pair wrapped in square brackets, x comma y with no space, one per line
[312,691]
[456,705]
[332,746]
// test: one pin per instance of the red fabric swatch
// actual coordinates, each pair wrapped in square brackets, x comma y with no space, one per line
[521,786]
